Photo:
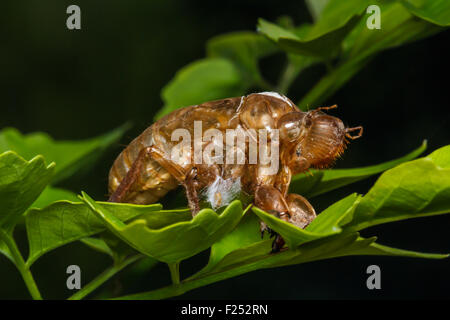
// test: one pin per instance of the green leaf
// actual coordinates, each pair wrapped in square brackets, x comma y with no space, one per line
[244,49]
[414,189]
[246,233]
[329,221]
[5,251]
[21,182]
[326,224]
[399,27]
[324,38]
[155,220]
[247,259]
[332,82]
[375,249]
[434,11]
[201,81]
[316,7]
[164,218]
[120,250]
[69,156]
[295,63]
[98,245]
[332,234]
[52,194]
[322,181]
[175,242]
[142,266]
[256,256]
[64,222]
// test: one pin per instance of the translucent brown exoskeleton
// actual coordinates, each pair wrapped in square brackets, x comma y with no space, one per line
[146,170]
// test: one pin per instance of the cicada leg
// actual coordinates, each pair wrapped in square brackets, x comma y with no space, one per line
[131,180]
[270,199]
[294,209]
[190,184]
[301,211]
[188,181]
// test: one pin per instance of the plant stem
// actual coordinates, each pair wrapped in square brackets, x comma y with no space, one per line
[175,272]
[20,264]
[331,82]
[103,277]
[185,285]
[288,76]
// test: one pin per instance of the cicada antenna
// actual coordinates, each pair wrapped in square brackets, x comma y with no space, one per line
[334,106]
[348,130]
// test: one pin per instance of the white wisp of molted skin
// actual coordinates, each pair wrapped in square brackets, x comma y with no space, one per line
[276,95]
[222,191]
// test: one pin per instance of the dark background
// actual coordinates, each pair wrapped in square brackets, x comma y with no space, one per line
[78,84]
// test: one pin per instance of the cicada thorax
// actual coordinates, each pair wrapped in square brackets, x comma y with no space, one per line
[259,116]
[263,110]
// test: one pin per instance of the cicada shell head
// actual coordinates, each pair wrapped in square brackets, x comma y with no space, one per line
[322,138]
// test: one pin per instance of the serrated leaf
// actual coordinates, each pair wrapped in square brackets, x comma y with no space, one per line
[164,218]
[256,256]
[69,156]
[244,49]
[434,11]
[109,244]
[64,222]
[21,182]
[175,242]
[340,217]
[52,194]
[203,80]
[326,224]
[250,258]
[322,181]
[413,189]
[246,233]
[330,220]
[248,230]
